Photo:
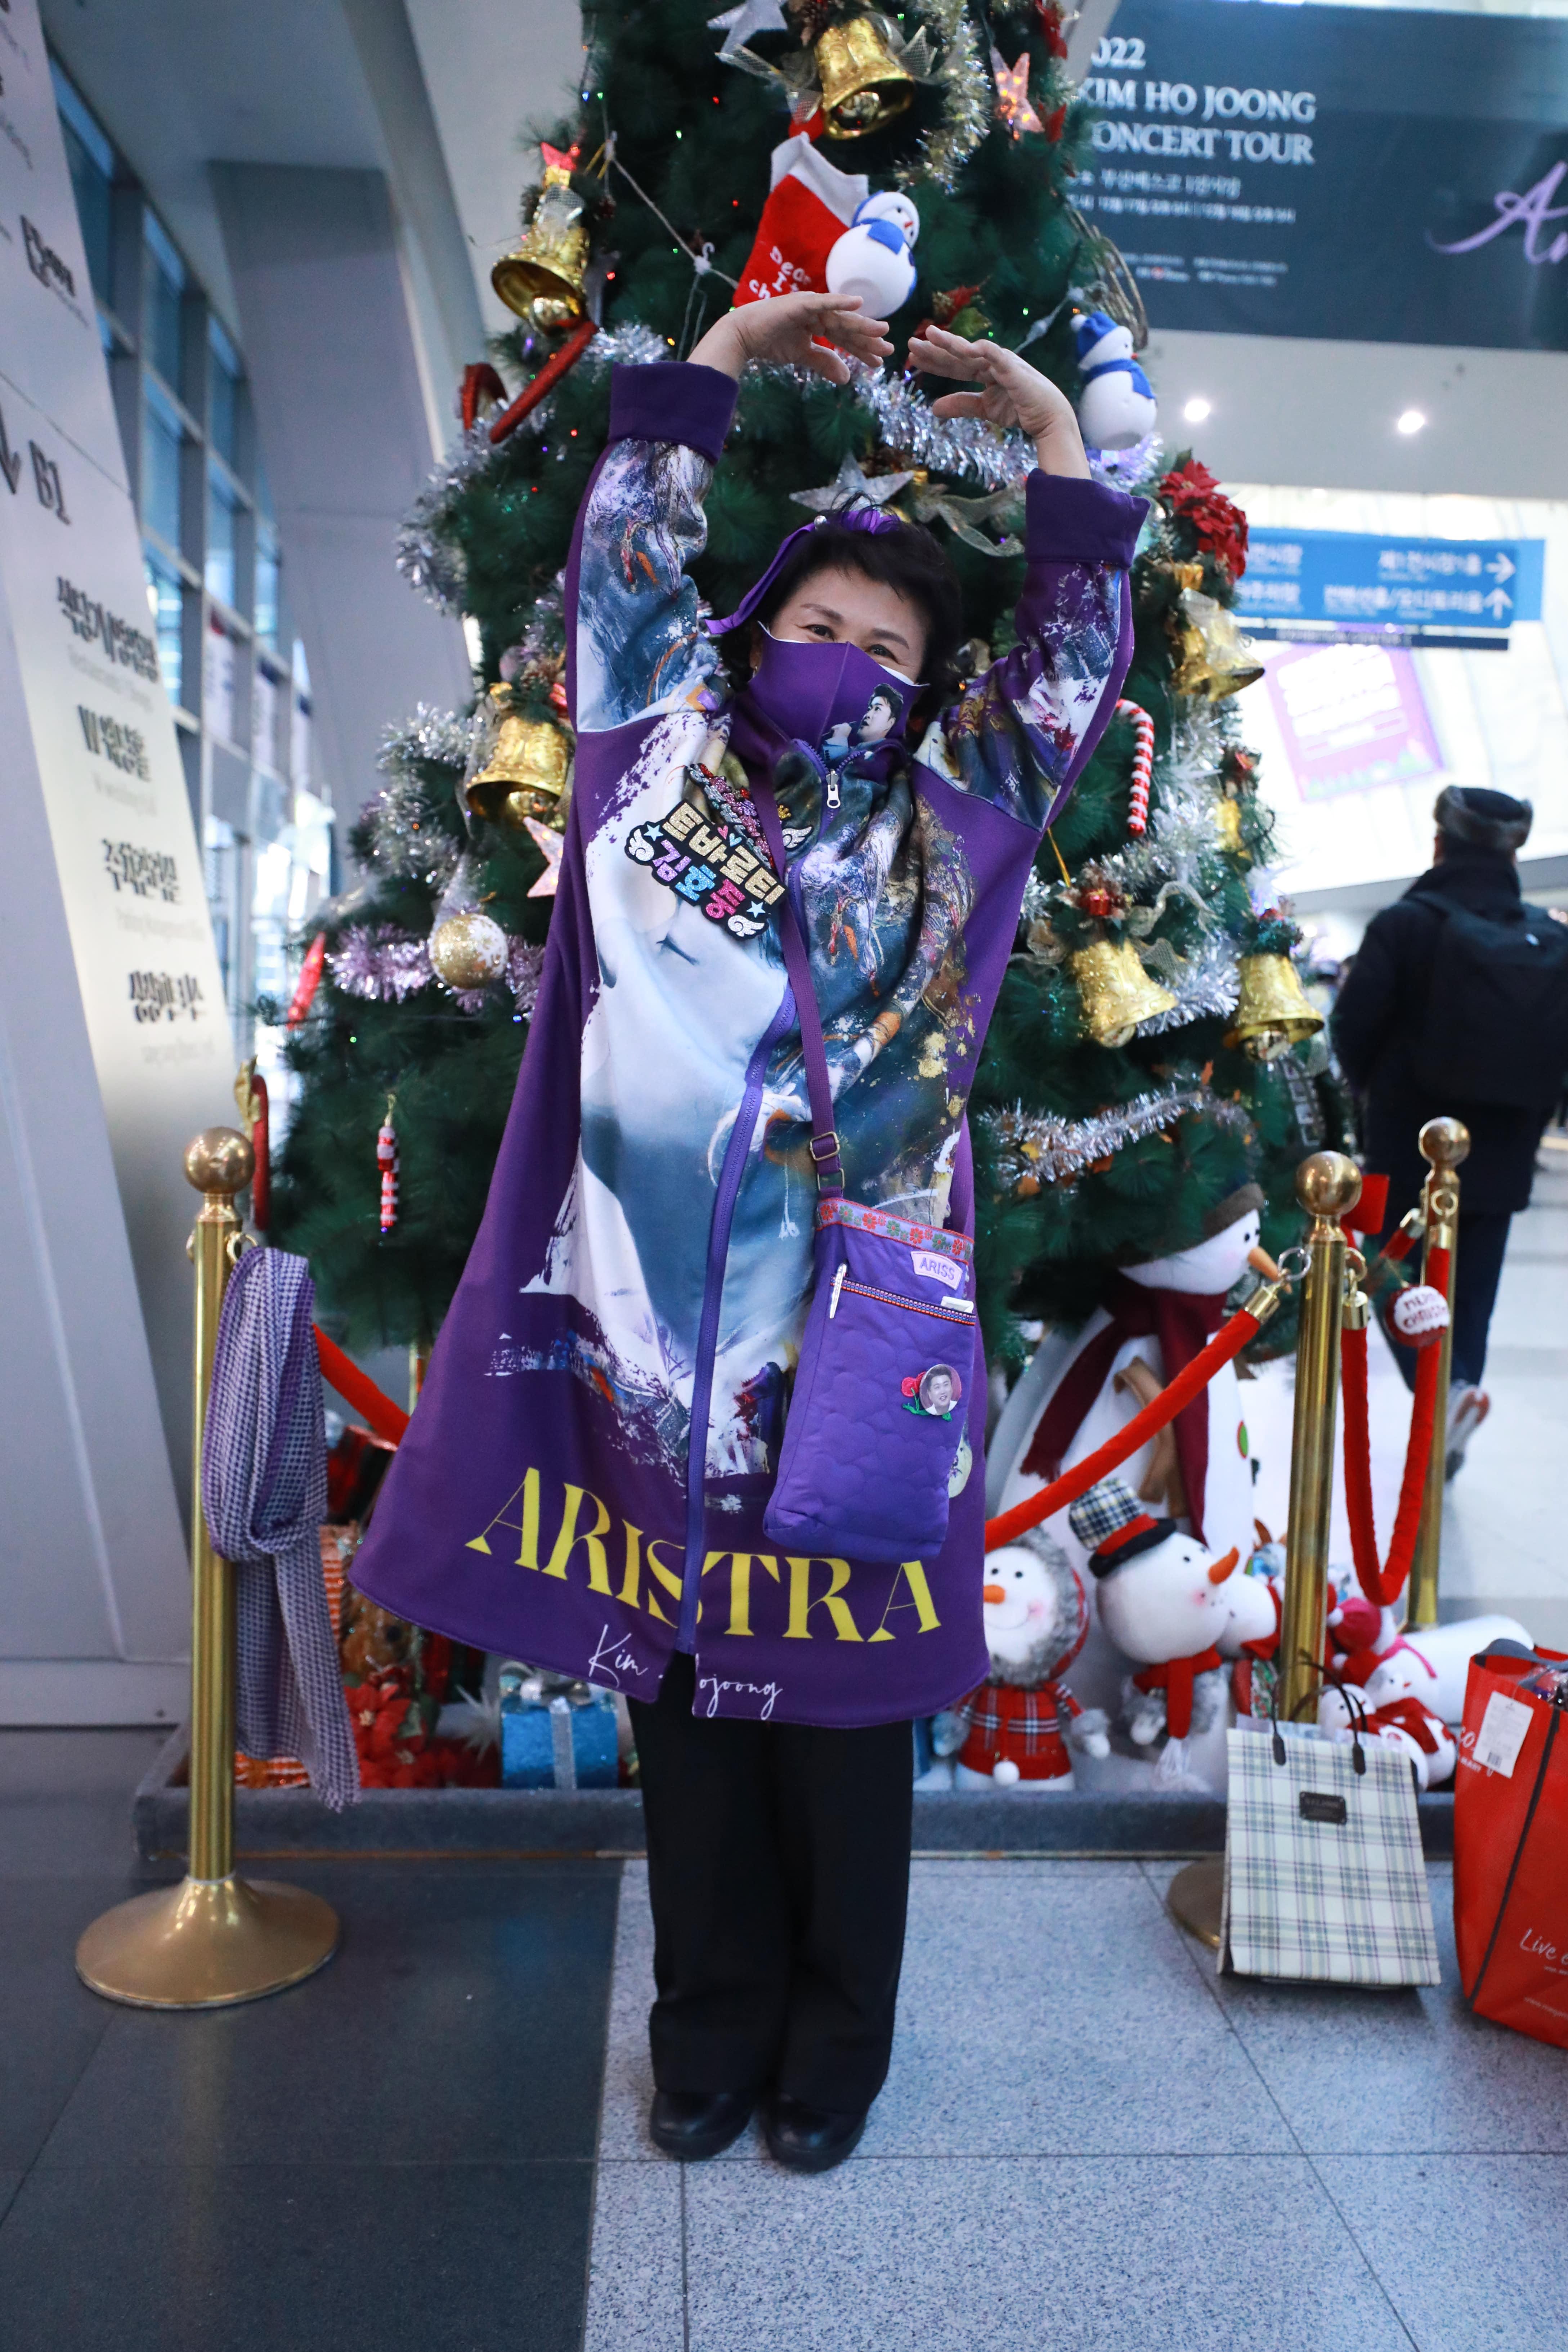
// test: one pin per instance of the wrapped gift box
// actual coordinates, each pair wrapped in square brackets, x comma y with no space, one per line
[556,1734]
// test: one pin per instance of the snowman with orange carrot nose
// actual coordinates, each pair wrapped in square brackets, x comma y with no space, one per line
[1021,1728]
[1161,1598]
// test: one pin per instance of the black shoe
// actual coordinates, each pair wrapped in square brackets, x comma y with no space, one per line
[691,2125]
[810,2139]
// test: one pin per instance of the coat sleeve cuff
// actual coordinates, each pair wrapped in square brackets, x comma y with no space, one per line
[673,401]
[1073,521]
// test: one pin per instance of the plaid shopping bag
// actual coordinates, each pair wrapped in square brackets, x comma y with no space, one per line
[1323,1872]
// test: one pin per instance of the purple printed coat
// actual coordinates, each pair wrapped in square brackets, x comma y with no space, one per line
[647,1240]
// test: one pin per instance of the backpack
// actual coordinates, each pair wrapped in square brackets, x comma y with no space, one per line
[1495,1029]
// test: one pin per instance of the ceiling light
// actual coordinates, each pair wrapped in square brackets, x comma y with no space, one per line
[1409,420]
[1197,409]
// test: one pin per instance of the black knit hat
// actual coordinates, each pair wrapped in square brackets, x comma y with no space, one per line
[1481,819]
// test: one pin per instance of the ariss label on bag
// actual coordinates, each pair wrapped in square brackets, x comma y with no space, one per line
[937,1269]
[1504,1728]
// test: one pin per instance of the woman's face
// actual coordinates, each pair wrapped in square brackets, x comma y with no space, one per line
[837,608]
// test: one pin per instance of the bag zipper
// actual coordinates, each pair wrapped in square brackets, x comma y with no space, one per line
[953,1312]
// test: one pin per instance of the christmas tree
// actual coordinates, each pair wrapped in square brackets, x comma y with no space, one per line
[1110,1111]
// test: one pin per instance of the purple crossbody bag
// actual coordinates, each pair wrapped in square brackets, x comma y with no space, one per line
[887,1367]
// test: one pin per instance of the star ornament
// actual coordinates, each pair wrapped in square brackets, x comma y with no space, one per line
[738,24]
[1013,94]
[849,482]
[550,846]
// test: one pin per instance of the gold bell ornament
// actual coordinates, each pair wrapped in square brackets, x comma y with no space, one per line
[1212,657]
[525,774]
[1272,1012]
[863,86]
[1116,991]
[542,280]
[468,948]
[1228,824]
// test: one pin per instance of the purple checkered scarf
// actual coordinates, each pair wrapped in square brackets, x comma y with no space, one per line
[264,1490]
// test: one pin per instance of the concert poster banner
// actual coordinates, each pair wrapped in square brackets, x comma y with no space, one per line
[1365,174]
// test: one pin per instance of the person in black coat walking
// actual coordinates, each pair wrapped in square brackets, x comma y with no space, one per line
[1402,1017]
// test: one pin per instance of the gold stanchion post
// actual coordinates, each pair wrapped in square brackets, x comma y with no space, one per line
[1327,1186]
[214,1938]
[1197,1892]
[1445,1142]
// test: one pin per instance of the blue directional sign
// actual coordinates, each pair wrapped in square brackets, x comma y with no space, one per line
[1348,580]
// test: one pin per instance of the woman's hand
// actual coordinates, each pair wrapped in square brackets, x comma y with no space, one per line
[782,329]
[1011,392]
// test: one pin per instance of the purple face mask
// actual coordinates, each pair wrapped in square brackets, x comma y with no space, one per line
[832,695]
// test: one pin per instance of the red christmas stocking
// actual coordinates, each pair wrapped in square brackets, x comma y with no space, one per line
[808,209]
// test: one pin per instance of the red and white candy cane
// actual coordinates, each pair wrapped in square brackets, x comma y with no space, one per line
[386,1161]
[1142,764]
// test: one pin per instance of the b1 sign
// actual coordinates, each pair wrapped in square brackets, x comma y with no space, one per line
[1370,175]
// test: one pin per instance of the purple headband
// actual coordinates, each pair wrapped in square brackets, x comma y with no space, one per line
[862,517]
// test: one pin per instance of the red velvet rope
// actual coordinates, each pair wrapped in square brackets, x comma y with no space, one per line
[261,1144]
[1382,1585]
[357,1388]
[1226,1343]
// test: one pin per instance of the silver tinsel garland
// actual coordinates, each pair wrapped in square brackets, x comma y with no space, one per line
[1052,1150]
[971,97]
[386,966]
[446,736]
[403,841]
[426,556]
[1205,984]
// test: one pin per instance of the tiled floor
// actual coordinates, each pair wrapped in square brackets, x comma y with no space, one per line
[1089,2140]
[400,2151]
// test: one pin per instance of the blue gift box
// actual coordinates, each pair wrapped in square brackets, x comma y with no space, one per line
[561,1737]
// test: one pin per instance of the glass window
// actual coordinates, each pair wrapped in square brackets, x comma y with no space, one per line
[220,679]
[264,718]
[92,161]
[221,505]
[267,568]
[221,866]
[161,444]
[165,285]
[224,428]
[165,599]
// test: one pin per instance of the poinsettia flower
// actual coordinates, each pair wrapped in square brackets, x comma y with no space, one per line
[1217,523]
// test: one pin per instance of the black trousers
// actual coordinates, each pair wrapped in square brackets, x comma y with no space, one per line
[778,1862]
[1483,1240]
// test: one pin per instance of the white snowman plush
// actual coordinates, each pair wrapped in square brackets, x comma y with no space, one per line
[1162,1600]
[1431,1665]
[1414,1694]
[1082,1389]
[1116,407]
[874,257]
[1254,1608]
[1402,1722]
[1016,1731]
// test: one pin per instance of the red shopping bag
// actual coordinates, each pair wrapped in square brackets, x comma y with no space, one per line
[1510,1848]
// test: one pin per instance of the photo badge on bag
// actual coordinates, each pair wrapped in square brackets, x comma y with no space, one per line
[935,1392]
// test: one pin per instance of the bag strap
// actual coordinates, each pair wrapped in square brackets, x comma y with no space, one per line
[1546,1747]
[825,1146]
[1354,1704]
